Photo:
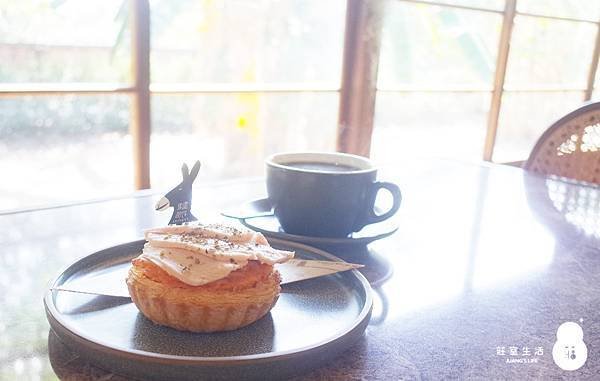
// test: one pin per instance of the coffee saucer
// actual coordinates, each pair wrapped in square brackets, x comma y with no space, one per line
[258,215]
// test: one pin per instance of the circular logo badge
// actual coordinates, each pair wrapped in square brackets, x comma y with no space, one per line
[569,352]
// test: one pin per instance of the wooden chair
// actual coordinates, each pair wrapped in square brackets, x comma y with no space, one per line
[570,147]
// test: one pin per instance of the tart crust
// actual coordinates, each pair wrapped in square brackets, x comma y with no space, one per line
[201,309]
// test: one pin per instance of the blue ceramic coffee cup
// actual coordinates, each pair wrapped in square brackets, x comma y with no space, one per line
[325,194]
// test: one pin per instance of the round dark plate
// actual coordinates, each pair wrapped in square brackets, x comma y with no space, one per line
[257,215]
[313,321]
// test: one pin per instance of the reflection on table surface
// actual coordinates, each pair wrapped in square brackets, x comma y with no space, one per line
[486,257]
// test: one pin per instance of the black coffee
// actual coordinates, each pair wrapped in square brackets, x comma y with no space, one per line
[328,167]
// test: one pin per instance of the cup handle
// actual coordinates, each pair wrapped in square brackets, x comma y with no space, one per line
[371,217]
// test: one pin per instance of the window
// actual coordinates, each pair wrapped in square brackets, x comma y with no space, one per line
[63,145]
[231,101]
[67,90]
[444,91]
[231,81]
[546,77]
[436,75]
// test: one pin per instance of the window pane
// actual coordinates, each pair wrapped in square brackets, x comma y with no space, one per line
[447,125]
[580,9]
[486,4]
[232,133]
[525,116]
[549,52]
[64,41]
[247,41]
[437,46]
[58,149]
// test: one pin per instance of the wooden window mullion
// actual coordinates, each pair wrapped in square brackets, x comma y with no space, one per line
[140,99]
[359,76]
[501,64]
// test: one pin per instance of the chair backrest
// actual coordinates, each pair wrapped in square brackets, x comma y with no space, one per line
[570,147]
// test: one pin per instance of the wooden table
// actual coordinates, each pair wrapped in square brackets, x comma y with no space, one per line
[487,263]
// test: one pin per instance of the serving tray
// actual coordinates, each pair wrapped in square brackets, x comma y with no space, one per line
[313,321]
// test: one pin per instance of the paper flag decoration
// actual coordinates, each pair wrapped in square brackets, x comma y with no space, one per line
[113,283]
[300,269]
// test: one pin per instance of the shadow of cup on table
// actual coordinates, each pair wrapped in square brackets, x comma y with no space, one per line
[326,194]
[377,270]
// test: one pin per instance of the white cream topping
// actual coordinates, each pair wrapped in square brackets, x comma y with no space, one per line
[218,231]
[237,246]
[200,254]
[189,268]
